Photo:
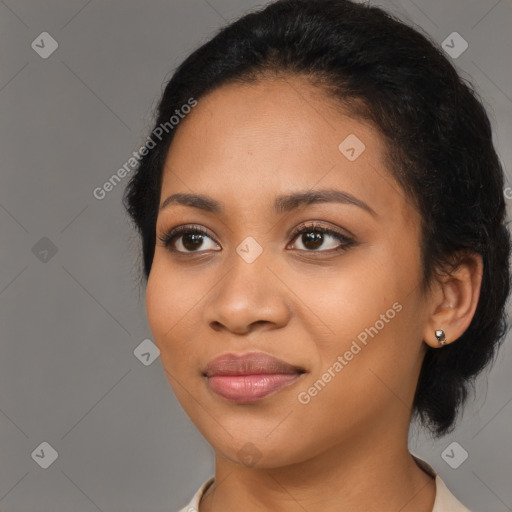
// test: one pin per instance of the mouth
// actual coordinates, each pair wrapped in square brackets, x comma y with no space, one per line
[249,377]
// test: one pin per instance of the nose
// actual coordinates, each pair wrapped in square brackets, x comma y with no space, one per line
[248,297]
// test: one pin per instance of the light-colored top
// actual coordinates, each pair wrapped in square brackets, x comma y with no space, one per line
[445,501]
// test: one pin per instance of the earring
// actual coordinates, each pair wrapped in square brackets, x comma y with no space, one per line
[441,337]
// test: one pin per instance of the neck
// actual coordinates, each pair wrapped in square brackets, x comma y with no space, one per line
[369,472]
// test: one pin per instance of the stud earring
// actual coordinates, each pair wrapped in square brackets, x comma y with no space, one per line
[441,337]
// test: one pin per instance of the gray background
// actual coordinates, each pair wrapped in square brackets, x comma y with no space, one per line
[70,321]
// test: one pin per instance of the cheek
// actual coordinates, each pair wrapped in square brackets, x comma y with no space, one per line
[352,299]
[171,296]
[169,309]
[175,298]
[169,302]
[365,315]
[158,303]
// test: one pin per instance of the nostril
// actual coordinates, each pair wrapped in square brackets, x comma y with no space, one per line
[259,322]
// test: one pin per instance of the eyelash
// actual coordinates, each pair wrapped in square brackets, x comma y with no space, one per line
[169,237]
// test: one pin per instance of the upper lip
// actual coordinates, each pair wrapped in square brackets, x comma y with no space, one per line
[253,363]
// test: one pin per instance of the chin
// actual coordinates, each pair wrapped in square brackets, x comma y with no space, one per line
[259,451]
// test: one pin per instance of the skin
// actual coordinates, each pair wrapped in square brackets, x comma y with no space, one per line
[345,450]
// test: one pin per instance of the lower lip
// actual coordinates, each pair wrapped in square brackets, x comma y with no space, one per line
[249,388]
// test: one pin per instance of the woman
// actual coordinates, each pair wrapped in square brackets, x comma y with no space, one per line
[322,221]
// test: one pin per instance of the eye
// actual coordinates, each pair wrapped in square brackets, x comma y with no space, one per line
[186,239]
[313,238]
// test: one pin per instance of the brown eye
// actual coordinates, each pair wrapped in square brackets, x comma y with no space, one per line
[185,239]
[191,241]
[312,239]
[318,238]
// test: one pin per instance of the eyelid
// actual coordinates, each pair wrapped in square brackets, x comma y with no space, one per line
[320,225]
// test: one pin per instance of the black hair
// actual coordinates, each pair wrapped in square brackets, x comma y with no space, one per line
[440,151]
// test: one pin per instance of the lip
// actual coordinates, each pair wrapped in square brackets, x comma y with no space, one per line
[249,377]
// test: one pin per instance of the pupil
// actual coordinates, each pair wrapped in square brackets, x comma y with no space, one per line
[197,240]
[314,238]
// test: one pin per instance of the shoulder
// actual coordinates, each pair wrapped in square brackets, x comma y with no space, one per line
[445,500]
[193,506]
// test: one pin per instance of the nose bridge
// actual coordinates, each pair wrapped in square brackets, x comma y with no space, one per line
[249,293]
[249,259]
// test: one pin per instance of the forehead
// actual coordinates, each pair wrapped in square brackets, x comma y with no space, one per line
[285,113]
[276,136]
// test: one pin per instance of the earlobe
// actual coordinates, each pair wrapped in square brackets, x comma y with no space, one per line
[437,338]
[454,303]
[441,337]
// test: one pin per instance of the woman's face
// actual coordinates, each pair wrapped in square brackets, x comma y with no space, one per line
[344,309]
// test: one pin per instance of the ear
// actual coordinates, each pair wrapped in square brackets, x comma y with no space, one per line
[454,299]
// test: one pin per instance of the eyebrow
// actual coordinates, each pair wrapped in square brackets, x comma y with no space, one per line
[282,204]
